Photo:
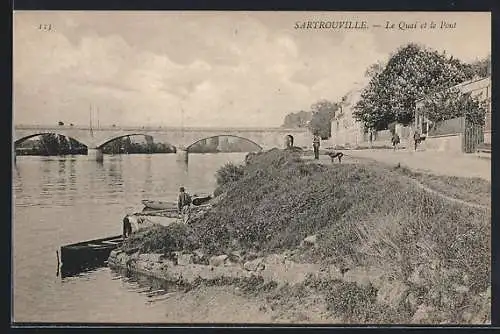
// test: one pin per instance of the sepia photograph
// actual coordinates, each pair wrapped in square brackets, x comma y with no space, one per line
[251,167]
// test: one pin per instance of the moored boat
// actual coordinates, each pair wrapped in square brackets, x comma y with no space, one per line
[159,205]
[87,255]
[164,205]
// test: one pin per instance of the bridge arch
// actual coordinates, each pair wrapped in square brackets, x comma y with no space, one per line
[22,139]
[224,135]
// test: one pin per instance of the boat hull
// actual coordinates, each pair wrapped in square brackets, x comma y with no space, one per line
[161,205]
[87,255]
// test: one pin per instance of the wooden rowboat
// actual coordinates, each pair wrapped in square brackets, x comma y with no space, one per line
[162,205]
[87,255]
[159,205]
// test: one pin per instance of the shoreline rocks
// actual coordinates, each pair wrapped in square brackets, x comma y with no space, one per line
[185,268]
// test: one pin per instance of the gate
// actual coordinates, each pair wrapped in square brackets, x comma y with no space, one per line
[473,136]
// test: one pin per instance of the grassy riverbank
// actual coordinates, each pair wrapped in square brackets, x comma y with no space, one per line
[432,255]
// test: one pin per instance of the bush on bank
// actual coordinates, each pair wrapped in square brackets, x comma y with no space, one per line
[363,215]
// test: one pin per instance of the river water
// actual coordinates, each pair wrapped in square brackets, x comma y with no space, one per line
[62,200]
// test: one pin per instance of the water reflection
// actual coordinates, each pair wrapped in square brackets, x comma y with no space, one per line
[184,163]
[62,175]
[72,179]
[155,289]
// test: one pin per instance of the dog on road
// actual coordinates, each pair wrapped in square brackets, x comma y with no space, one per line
[334,155]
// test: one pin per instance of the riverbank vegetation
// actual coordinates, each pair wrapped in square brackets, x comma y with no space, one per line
[51,144]
[433,255]
[219,144]
[127,146]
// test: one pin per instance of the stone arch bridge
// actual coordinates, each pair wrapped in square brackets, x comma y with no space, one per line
[181,138]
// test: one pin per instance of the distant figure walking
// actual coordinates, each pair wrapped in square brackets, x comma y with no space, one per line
[395,140]
[416,138]
[316,144]
[371,136]
[184,204]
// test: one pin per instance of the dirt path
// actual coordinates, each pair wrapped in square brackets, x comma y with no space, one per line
[435,165]
[439,163]
[448,198]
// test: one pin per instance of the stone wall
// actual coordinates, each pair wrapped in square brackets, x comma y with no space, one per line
[448,143]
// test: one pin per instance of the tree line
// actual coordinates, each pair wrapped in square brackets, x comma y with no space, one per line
[222,144]
[126,146]
[317,120]
[413,72]
[50,144]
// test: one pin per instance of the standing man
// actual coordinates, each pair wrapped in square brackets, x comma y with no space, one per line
[416,138]
[316,143]
[290,141]
[395,140]
[184,203]
[127,227]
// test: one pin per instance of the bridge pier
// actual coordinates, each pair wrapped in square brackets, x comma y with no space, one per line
[95,154]
[182,155]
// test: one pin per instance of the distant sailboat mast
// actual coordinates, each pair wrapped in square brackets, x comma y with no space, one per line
[90,112]
[182,121]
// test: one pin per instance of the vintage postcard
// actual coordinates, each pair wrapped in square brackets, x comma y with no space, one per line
[251,167]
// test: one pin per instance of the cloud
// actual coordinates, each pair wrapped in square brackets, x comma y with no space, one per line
[243,69]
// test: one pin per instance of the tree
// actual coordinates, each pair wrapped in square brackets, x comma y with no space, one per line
[60,123]
[127,144]
[374,69]
[77,147]
[323,112]
[452,103]
[482,67]
[49,144]
[297,120]
[410,74]
[63,147]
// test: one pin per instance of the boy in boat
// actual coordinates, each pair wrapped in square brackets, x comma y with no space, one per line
[184,203]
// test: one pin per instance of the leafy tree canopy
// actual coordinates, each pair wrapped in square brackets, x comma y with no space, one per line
[410,74]
[323,112]
[452,103]
[482,67]
[374,69]
[297,120]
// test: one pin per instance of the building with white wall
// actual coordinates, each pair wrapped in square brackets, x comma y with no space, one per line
[346,130]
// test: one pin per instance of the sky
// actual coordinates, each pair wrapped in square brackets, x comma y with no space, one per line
[214,69]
